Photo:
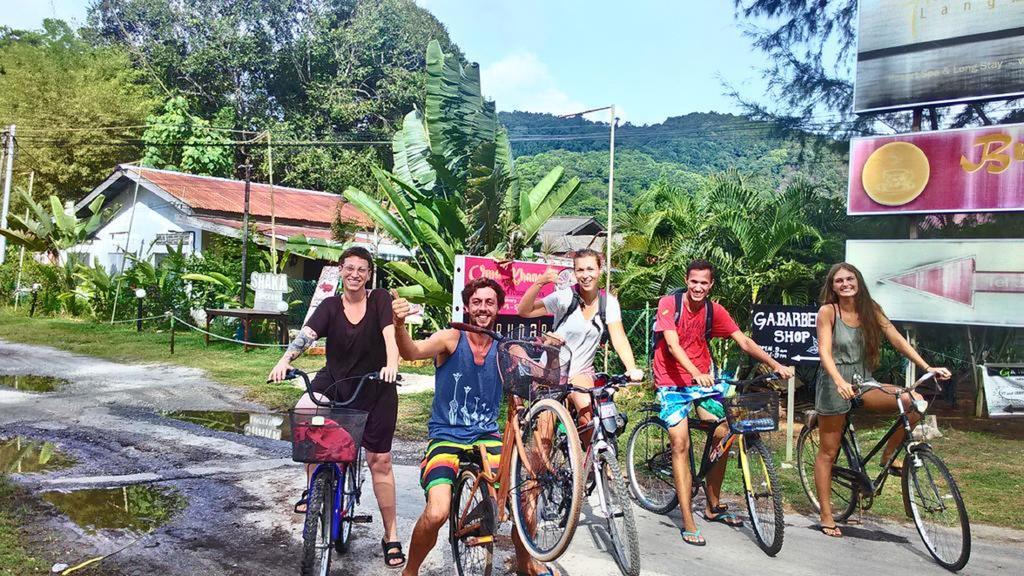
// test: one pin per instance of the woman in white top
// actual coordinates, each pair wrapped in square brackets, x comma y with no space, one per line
[582,329]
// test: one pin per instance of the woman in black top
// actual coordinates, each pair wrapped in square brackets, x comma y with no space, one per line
[360,339]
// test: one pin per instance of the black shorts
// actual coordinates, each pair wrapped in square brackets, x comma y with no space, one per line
[379,400]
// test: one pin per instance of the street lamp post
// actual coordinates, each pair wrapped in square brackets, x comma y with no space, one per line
[612,120]
[139,295]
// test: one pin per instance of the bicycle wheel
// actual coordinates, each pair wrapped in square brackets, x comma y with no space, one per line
[470,558]
[316,533]
[844,494]
[649,467]
[625,543]
[764,495]
[933,499]
[547,482]
[348,508]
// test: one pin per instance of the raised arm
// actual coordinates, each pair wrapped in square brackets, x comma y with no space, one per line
[441,343]
[529,306]
[303,341]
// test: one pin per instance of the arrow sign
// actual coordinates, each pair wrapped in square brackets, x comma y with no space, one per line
[958,280]
[799,358]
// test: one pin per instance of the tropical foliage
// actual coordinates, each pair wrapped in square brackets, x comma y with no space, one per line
[53,228]
[768,247]
[452,189]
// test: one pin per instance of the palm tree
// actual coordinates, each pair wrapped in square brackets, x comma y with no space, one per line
[453,187]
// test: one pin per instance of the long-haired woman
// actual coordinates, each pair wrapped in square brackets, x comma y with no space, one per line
[851,326]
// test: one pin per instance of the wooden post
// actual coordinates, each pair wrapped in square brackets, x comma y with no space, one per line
[172,334]
[790,392]
[979,381]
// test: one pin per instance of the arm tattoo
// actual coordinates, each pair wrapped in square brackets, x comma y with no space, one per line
[302,342]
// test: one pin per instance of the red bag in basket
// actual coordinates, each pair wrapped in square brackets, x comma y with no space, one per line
[333,443]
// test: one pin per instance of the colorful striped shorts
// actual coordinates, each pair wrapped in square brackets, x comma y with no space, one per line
[441,461]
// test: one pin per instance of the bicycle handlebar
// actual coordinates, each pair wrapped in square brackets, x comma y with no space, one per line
[293,372]
[743,385]
[473,328]
[863,387]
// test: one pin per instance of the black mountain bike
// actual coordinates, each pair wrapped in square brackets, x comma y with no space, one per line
[930,495]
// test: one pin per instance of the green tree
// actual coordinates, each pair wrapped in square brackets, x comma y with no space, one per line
[452,188]
[54,83]
[178,140]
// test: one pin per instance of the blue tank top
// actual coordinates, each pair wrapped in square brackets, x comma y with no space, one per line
[466,396]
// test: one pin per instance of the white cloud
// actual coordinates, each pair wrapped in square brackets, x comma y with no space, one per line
[520,81]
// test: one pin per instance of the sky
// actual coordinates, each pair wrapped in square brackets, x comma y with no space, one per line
[650,58]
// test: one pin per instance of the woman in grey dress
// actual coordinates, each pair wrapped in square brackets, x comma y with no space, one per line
[850,329]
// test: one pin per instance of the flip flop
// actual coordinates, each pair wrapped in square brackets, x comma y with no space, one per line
[727,518]
[831,531]
[303,501]
[390,556]
[693,538]
[896,471]
[719,508]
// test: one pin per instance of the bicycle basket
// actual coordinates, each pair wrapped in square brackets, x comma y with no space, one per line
[757,412]
[326,434]
[529,369]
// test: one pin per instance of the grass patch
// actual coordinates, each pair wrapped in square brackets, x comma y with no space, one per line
[15,560]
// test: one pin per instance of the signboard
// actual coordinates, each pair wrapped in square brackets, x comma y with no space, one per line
[1004,389]
[175,239]
[978,282]
[515,278]
[968,170]
[325,287]
[920,53]
[787,333]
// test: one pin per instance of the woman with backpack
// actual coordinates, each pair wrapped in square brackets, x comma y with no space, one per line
[585,317]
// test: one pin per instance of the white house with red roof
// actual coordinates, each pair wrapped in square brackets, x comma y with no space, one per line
[161,208]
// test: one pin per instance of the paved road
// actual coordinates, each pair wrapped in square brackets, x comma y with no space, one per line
[238,488]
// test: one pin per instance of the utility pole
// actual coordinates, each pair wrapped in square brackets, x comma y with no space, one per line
[21,255]
[245,229]
[9,141]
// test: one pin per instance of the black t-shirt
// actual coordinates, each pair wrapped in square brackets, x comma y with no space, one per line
[352,349]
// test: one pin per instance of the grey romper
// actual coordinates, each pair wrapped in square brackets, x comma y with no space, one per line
[848,354]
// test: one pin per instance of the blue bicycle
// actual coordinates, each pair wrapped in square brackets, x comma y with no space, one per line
[329,437]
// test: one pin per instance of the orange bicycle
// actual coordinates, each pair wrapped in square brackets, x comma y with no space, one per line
[539,483]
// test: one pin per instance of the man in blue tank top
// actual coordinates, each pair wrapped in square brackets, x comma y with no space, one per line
[464,415]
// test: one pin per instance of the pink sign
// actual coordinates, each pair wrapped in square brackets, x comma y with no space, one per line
[514,276]
[968,170]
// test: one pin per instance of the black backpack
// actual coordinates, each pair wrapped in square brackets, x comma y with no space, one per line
[602,304]
[709,313]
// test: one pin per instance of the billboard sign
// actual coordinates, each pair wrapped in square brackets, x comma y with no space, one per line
[515,277]
[920,53]
[968,170]
[1004,389]
[787,333]
[979,282]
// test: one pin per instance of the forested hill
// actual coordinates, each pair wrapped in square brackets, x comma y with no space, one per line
[682,150]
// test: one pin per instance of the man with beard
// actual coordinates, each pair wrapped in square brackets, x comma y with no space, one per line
[466,376]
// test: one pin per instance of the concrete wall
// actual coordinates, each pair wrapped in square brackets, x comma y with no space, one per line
[153,215]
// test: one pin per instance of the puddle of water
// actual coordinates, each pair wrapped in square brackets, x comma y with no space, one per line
[31,383]
[21,455]
[273,426]
[129,508]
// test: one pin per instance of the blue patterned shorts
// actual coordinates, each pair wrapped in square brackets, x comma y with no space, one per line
[676,402]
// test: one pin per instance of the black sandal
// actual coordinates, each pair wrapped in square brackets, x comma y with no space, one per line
[389,557]
[303,501]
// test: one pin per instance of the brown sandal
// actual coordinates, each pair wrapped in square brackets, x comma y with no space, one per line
[832,531]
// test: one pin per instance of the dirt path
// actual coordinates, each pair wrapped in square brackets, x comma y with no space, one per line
[108,418]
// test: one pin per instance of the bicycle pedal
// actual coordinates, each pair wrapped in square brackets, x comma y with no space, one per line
[361,519]
[480,540]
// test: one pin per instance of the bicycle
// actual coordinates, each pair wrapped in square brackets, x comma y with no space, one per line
[330,437]
[601,462]
[649,459]
[539,477]
[922,470]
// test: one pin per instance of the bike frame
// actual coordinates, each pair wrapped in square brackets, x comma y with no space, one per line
[487,479]
[710,457]
[865,484]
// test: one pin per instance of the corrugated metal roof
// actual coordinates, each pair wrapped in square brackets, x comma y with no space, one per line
[207,193]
